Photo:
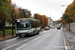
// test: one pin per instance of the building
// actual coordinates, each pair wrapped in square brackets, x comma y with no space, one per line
[50,22]
[7,24]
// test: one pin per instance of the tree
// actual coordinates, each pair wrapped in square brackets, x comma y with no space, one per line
[67,19]
[15,12]
[5,12]
[28,14]
[14,15]
[45,20]
[24,13]
[39,17]
[42,18]
[72,11]
[69,15]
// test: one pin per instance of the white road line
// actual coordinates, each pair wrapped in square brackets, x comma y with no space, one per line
[30,42]
[66,48]
[17,43]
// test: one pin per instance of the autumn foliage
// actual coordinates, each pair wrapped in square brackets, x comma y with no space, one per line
[15,12]
[9,12]
[24,13]
[39,17]
[5,13]
[42,18]
[45,20]
[69,15]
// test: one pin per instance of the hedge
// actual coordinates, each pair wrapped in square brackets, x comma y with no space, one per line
[10,27]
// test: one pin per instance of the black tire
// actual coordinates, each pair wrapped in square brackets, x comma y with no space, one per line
[20,36]
[38,32]
[33,33]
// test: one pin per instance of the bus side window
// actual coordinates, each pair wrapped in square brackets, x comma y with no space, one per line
[21,26]
[31,26]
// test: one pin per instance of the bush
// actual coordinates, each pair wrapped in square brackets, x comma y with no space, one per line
[10,27]
[7,32]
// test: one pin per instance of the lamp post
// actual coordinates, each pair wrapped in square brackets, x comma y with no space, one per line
[69,19]
[64,5]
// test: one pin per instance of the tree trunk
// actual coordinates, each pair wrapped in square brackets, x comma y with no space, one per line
[69,26]
[12,26]
[4,29]
[12,29]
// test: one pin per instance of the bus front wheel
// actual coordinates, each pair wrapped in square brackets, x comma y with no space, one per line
[20,36]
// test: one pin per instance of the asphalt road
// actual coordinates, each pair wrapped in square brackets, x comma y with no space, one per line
[47,40]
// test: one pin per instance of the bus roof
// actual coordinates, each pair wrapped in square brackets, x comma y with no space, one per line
[27,19]
[23,18]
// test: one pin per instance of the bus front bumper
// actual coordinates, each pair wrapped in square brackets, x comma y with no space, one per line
[19,34]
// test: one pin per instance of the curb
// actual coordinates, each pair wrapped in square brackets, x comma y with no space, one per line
[66,42]
[66,47]
[7,38]
[12,37]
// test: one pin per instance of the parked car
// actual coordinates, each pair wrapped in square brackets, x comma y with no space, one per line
[58,27]
[46,28]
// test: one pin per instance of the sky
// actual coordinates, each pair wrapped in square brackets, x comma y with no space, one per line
[50,8]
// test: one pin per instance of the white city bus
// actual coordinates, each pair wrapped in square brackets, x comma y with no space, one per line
[27,26]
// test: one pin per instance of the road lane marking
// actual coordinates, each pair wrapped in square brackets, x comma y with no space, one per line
[18,43]
[30,42]
[66,48]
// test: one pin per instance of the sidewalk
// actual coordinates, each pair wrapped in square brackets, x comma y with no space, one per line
[70,38]
[6,37]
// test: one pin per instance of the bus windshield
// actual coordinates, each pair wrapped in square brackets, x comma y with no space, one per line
[23,25]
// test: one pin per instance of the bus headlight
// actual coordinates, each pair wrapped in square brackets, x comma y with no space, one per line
[29,31]
[16,31]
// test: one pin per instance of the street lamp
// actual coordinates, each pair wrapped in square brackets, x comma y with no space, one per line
[63,13]
[69,19]
[64,5]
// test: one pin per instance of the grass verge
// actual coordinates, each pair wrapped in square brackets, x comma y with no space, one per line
[7,32]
